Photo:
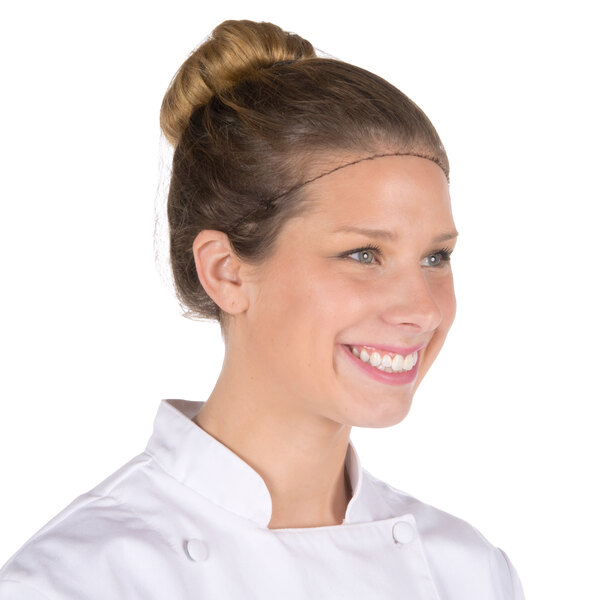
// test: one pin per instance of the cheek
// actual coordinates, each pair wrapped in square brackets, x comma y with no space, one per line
[443,293]
[292,304]
[450,309]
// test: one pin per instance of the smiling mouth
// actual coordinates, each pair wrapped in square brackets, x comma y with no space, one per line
[388,362]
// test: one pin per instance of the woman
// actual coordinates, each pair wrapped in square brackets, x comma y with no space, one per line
[309,214]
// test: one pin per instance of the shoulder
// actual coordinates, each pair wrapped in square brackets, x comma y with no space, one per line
[431,521]
[455,550]
[101,536]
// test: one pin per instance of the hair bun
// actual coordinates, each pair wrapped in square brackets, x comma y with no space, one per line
[232,51]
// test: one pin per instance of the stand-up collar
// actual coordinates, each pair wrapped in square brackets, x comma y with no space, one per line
[199,461]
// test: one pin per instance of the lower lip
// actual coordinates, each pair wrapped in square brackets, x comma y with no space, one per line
[382,376]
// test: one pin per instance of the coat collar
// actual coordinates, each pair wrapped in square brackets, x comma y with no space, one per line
[199,461]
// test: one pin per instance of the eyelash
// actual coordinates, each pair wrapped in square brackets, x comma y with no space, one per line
[444,253]
[372,247]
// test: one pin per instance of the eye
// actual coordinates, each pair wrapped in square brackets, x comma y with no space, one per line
[365,255]
[437,259]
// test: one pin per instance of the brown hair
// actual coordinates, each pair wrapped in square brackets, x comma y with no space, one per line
[252,113]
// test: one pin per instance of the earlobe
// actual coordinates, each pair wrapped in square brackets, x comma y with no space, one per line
[218,269]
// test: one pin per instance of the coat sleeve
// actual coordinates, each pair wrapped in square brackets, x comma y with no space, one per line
[15,590]
[509,581]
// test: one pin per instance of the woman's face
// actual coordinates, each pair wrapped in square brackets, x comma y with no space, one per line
[362,271]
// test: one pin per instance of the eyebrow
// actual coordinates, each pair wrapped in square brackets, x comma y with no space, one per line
[384,234]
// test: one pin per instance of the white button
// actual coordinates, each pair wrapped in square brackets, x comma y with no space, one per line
[197,550]
[403,532]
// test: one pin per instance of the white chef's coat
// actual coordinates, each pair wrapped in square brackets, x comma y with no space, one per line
[187,519]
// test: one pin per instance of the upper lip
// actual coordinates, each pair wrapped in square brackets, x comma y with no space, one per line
[404,350]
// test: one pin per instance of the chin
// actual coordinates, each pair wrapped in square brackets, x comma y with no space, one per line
[381,414]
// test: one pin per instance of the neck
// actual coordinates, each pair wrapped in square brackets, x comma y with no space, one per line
[300,456]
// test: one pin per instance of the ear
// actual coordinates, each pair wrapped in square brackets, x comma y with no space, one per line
[218,270]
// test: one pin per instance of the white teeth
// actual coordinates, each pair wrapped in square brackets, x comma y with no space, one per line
[385,362]
[375,359]
[398,363]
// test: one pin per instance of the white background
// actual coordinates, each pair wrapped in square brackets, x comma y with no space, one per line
[503,431]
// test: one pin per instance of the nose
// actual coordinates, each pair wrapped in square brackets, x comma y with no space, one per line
[410,301]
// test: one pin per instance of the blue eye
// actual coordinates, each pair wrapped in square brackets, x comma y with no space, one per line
[365,255]
[437,259]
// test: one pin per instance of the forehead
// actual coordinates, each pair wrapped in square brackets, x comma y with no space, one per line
[389,190]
